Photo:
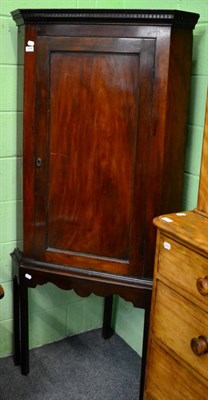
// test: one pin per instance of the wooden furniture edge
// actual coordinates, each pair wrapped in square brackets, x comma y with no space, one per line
[164,17]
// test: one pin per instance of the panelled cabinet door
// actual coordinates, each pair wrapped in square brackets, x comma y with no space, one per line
[92,136]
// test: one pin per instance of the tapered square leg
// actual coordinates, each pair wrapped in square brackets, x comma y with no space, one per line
[16,324]
[24,340]
[144,350]
[107,331]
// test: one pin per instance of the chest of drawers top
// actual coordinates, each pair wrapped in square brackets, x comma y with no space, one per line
[189,228]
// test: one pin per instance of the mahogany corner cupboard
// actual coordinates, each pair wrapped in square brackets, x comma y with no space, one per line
[105,112]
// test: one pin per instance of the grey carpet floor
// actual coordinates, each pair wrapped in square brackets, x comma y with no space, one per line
[82,367]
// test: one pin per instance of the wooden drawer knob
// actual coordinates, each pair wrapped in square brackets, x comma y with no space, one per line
[1,292]
[202,285]
[199,345]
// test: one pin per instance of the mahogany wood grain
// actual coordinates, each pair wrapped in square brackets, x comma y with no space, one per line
[29,124]
[89,216]
[94,159]
[202,204]
[91,205]
[84,282]
[174,18]
[106,95]
[168,118]
[105,223]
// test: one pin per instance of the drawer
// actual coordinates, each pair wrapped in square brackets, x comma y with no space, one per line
[182,266]
[176,322]
[169,380]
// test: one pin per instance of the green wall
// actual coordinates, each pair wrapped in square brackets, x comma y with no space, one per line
[55,314]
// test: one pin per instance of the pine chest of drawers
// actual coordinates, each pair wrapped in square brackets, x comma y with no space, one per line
[177,363]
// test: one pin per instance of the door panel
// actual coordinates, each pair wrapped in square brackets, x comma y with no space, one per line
[93,153]
[92,139]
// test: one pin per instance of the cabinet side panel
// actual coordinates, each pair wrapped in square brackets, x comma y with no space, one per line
[28,141]
[172,81]
[176,121]
[156,144]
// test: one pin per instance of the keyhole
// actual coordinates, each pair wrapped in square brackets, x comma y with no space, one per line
[38,162]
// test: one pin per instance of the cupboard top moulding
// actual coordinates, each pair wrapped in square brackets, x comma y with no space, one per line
[158,17]
[105,112]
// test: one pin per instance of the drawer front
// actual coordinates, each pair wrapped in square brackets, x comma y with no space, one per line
[167,379]
[176,322]
[182,266]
